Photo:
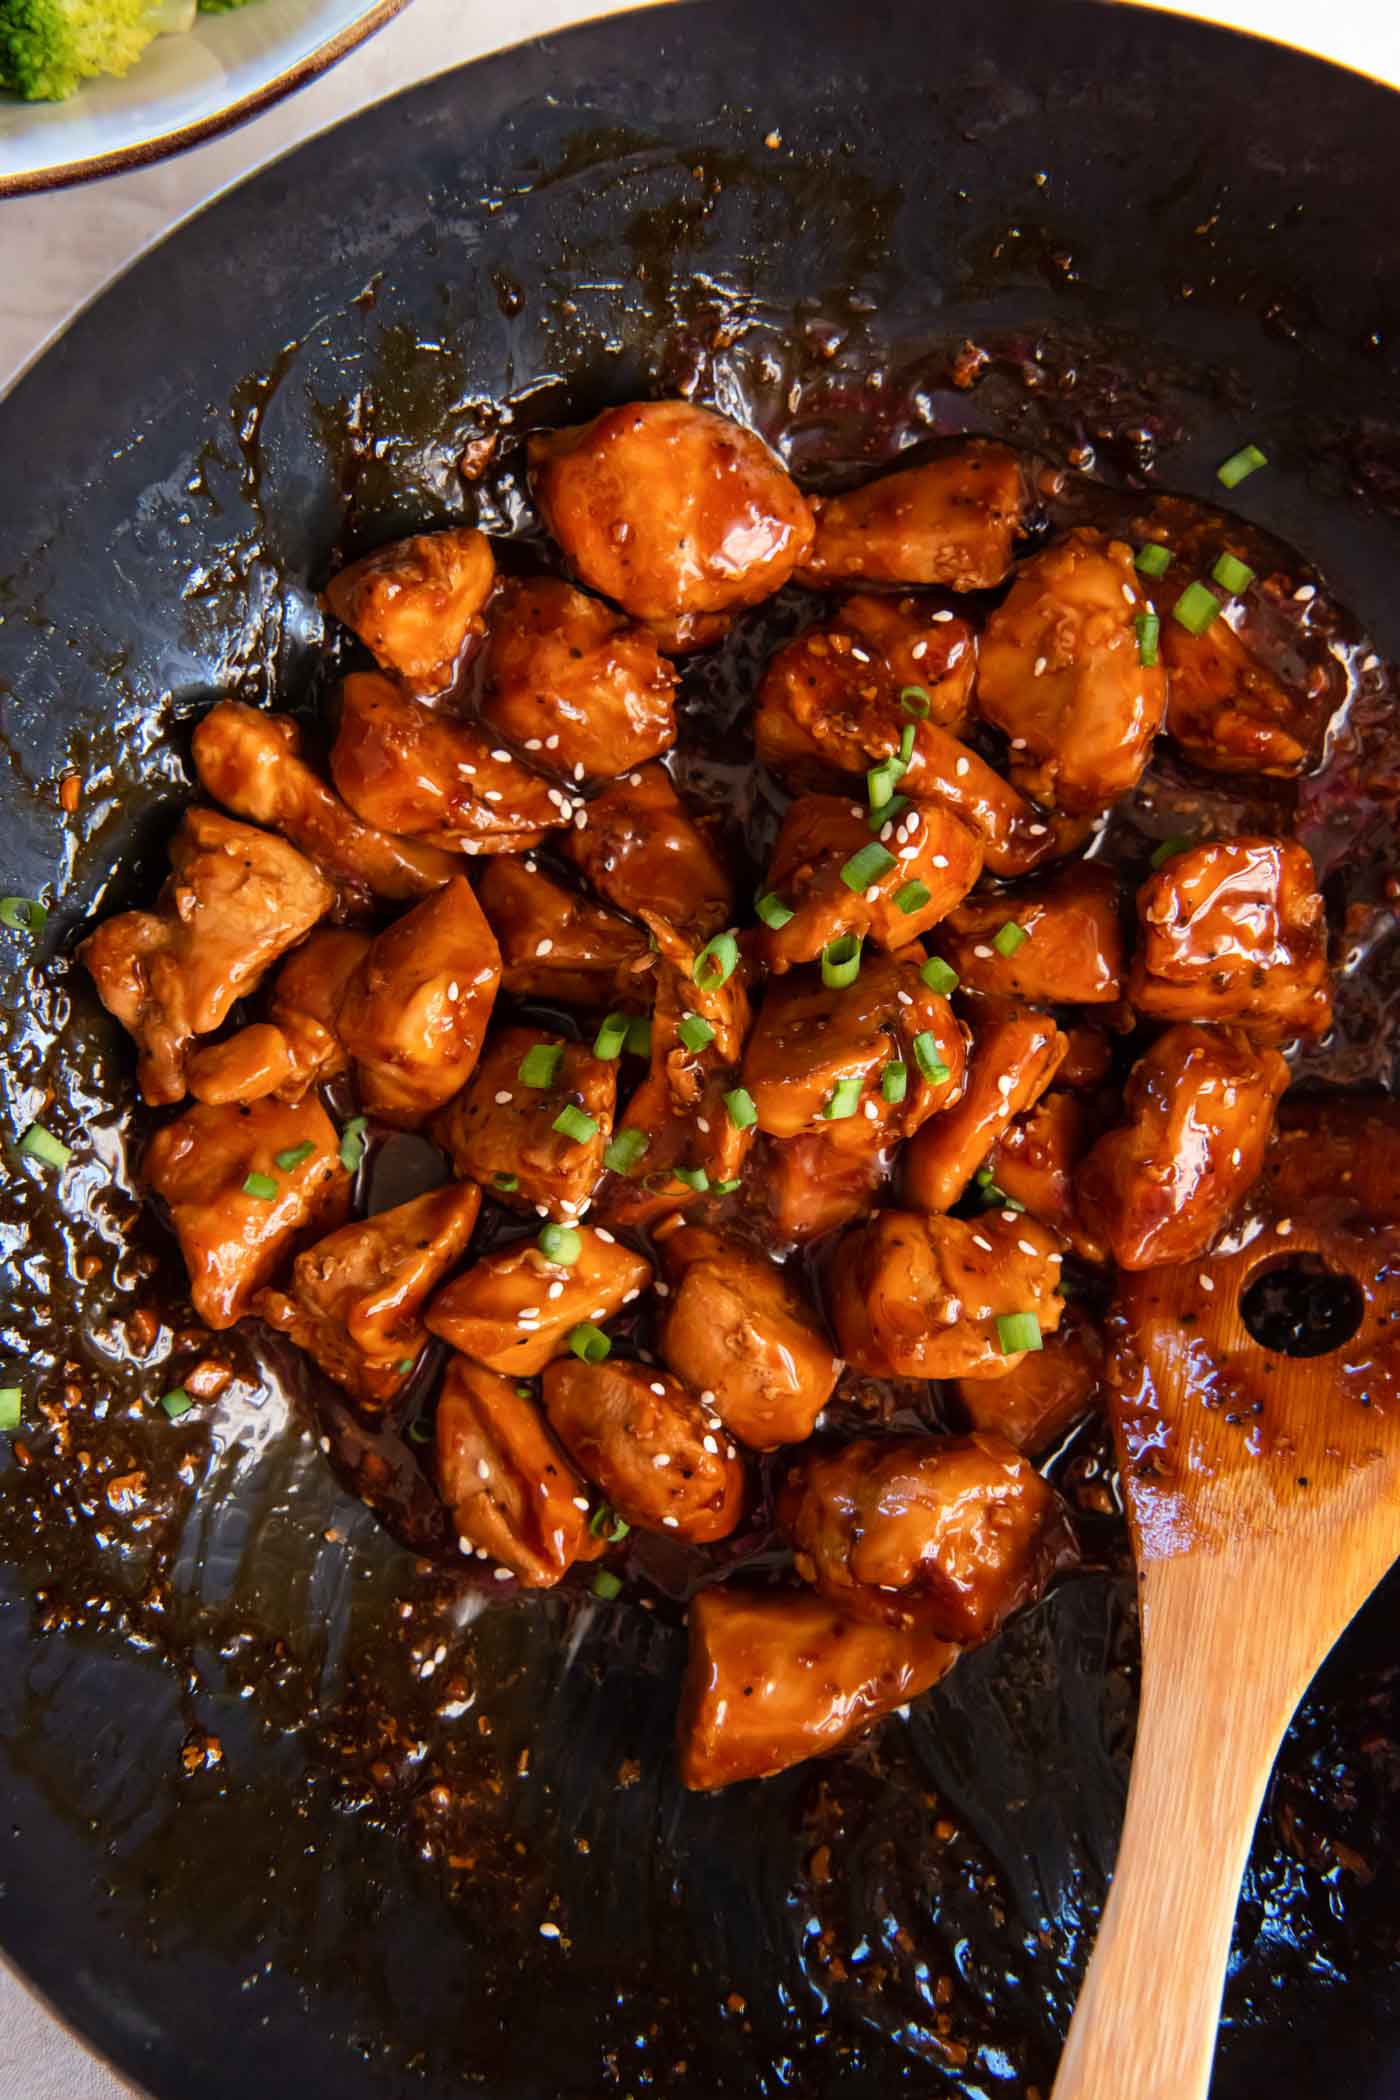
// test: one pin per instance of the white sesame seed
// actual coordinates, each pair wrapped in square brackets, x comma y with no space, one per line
[1037,831]
[556,1289]
[956,654]
[454,990]
[503,1096]
[493,795]
[1004,1085]
[325,1443]
[919,649]
[1370,663]
[905,998]
[608,1239]
[1018,743]
[962,768]
[711,1446]
[502,758]
[582,1502]
[1008,1217]
[1284,1227]
[662,1458]
[1207,1283]
[861,655]
[952,1311]
[978,1241]
[1236,1156]
[599,1312]
[470,771]
[942,616]
[548,1931]
[483,1471]
[1304,592]
[629,1296]
[1040,667]
[551,743]
[672,1523]
[908,853]
[940,860]
[1024,1245]
[580,818]
[730,1452]
[1129,594]
[872,895]
[544,947]
[660,1391]
[663,1290]
[533,743]
[707,1398]
[886,833]
[982,952]
[871,1110]
[503,1574]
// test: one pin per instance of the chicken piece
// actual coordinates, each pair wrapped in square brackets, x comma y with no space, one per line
[413,1015]
[356,1297]
[950,1534]
[514,1497]
[650,1446]
[822,1180]
[829,703]
[774,1677]
[501,1311]
[811,1041]
[642,850]
[917,1297]
[242,1190]
[1072,951]
[669,509]
[1089,1058]
[1062,674]
[299,1045]
[1200,1109]
[1016,836]
[952,521]
[250,761]
[430,775]
[1235,930]
[740,1334]
[502,1130]
[575,683]
[1015,1055]
[236,900]
[558,946]
[1035,1162]
[836,879]
[1228,712]
[417,603]
[1049,1391]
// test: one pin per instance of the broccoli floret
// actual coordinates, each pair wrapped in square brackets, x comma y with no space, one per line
[49,47]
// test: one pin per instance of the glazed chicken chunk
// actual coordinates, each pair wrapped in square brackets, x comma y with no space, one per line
[1050,1390]
[417,603]
[660,1457]
[669,509]
[428,775]
[584,691]
[243,1184]
[356,1297]
[251,762]
[917,1297]
[773,1678]
[557,945]
[236,900]
[1062,673]
[841,696]
[836,880]
[1057,940]
[299,1044]
[504,1312]
[1200,1109]
[1035,1163]
[514,1497]
[643,851]
[1228,710]
[533,1122]
[1015,1055]
[737,1332]
[952,521]
[1235,931]
[824,1179]
[1016,835]
[414,1014]
[951,1534]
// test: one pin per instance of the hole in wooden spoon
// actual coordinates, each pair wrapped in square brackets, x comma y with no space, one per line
[1300,1307]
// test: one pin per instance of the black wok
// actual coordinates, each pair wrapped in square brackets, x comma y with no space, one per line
[221,1859]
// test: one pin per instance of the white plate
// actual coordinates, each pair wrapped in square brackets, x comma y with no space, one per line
[181,90]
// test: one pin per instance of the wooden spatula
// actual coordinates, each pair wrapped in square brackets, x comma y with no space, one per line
[1263,1490]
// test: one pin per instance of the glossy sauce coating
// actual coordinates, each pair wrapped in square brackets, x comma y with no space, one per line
[417,602]
[951,521]
[506,1312]
[1073,948]
[500,1130]
[643,852]
[515,1499]
[558,945]
[924,861]
[1014,1058]
[583,691]
[661,1458]
[920,1297]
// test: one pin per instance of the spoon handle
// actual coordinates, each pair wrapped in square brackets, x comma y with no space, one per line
[1209,1727]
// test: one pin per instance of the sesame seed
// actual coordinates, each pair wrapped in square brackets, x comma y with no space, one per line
[608,1238]
[707,1398]
[1037,831]
[503,1097]
[580,818]
[533,743]
[663,1290]
[548,1931]
[871,1110]
[502,758]
[711,1446]
[1370,663]
[942,616]
[325,1443]
[470,771]
[662,1458]
[483,1471]
[952,1311]
[886,834]
[556,1289]
[908,853]
[1236,1156]
[1008,1217]
[599,1312]
[940,860]
[634,780]
[856,810]
[730,1452]
[1024,1245]
[1129,594]
[1018,743]
[672,1523]
[544,947]
[466,1546]
[1284,1227]
[1207,1283]
[1004,1085]
[1304,592]
[629,1296]
[659,1390]
[872,895]
[454,990]
[962,768]
[978,1241]
[493,795]
[919,649]
[956,654]
[905,998]
[982,952]
[541,1210]
[861,656]
[503,1574]
[1040,667]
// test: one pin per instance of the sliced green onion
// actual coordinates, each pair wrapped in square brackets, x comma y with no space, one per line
[906,744]
[605,1523]
[639,1036]
[420,1432]
[926,1057]
[1017,1331]
[772,910]
[880,783]
[894,1081]
[572,1123]
[405,1365]
[524,1392]
[262,1186]
[560,1244]
[38,1143]
[844,1101]
[1240,465]
[11,1406]
[915,701]
[607,1585]
[1196,608]
[913,897]
[841,961]
[176,1403]
[352,1143]
[1169,849]
[612,1035]
[539,1067]
[871,864]
[1154,559]
[294,1155]
[589,1343]
[625,1150]
[1008,938]
[1149,628]
[994,1198]
[738,1106]
[692,1177]
[1232,574]
[695,1032]
[508,1183]
[724,1188]
[888,813]
[23,914]
[939,976]
[716,962]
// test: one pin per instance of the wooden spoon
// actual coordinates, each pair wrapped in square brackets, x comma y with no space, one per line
[1263,1491]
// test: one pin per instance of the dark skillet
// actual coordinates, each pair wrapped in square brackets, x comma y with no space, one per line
[222,1858]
